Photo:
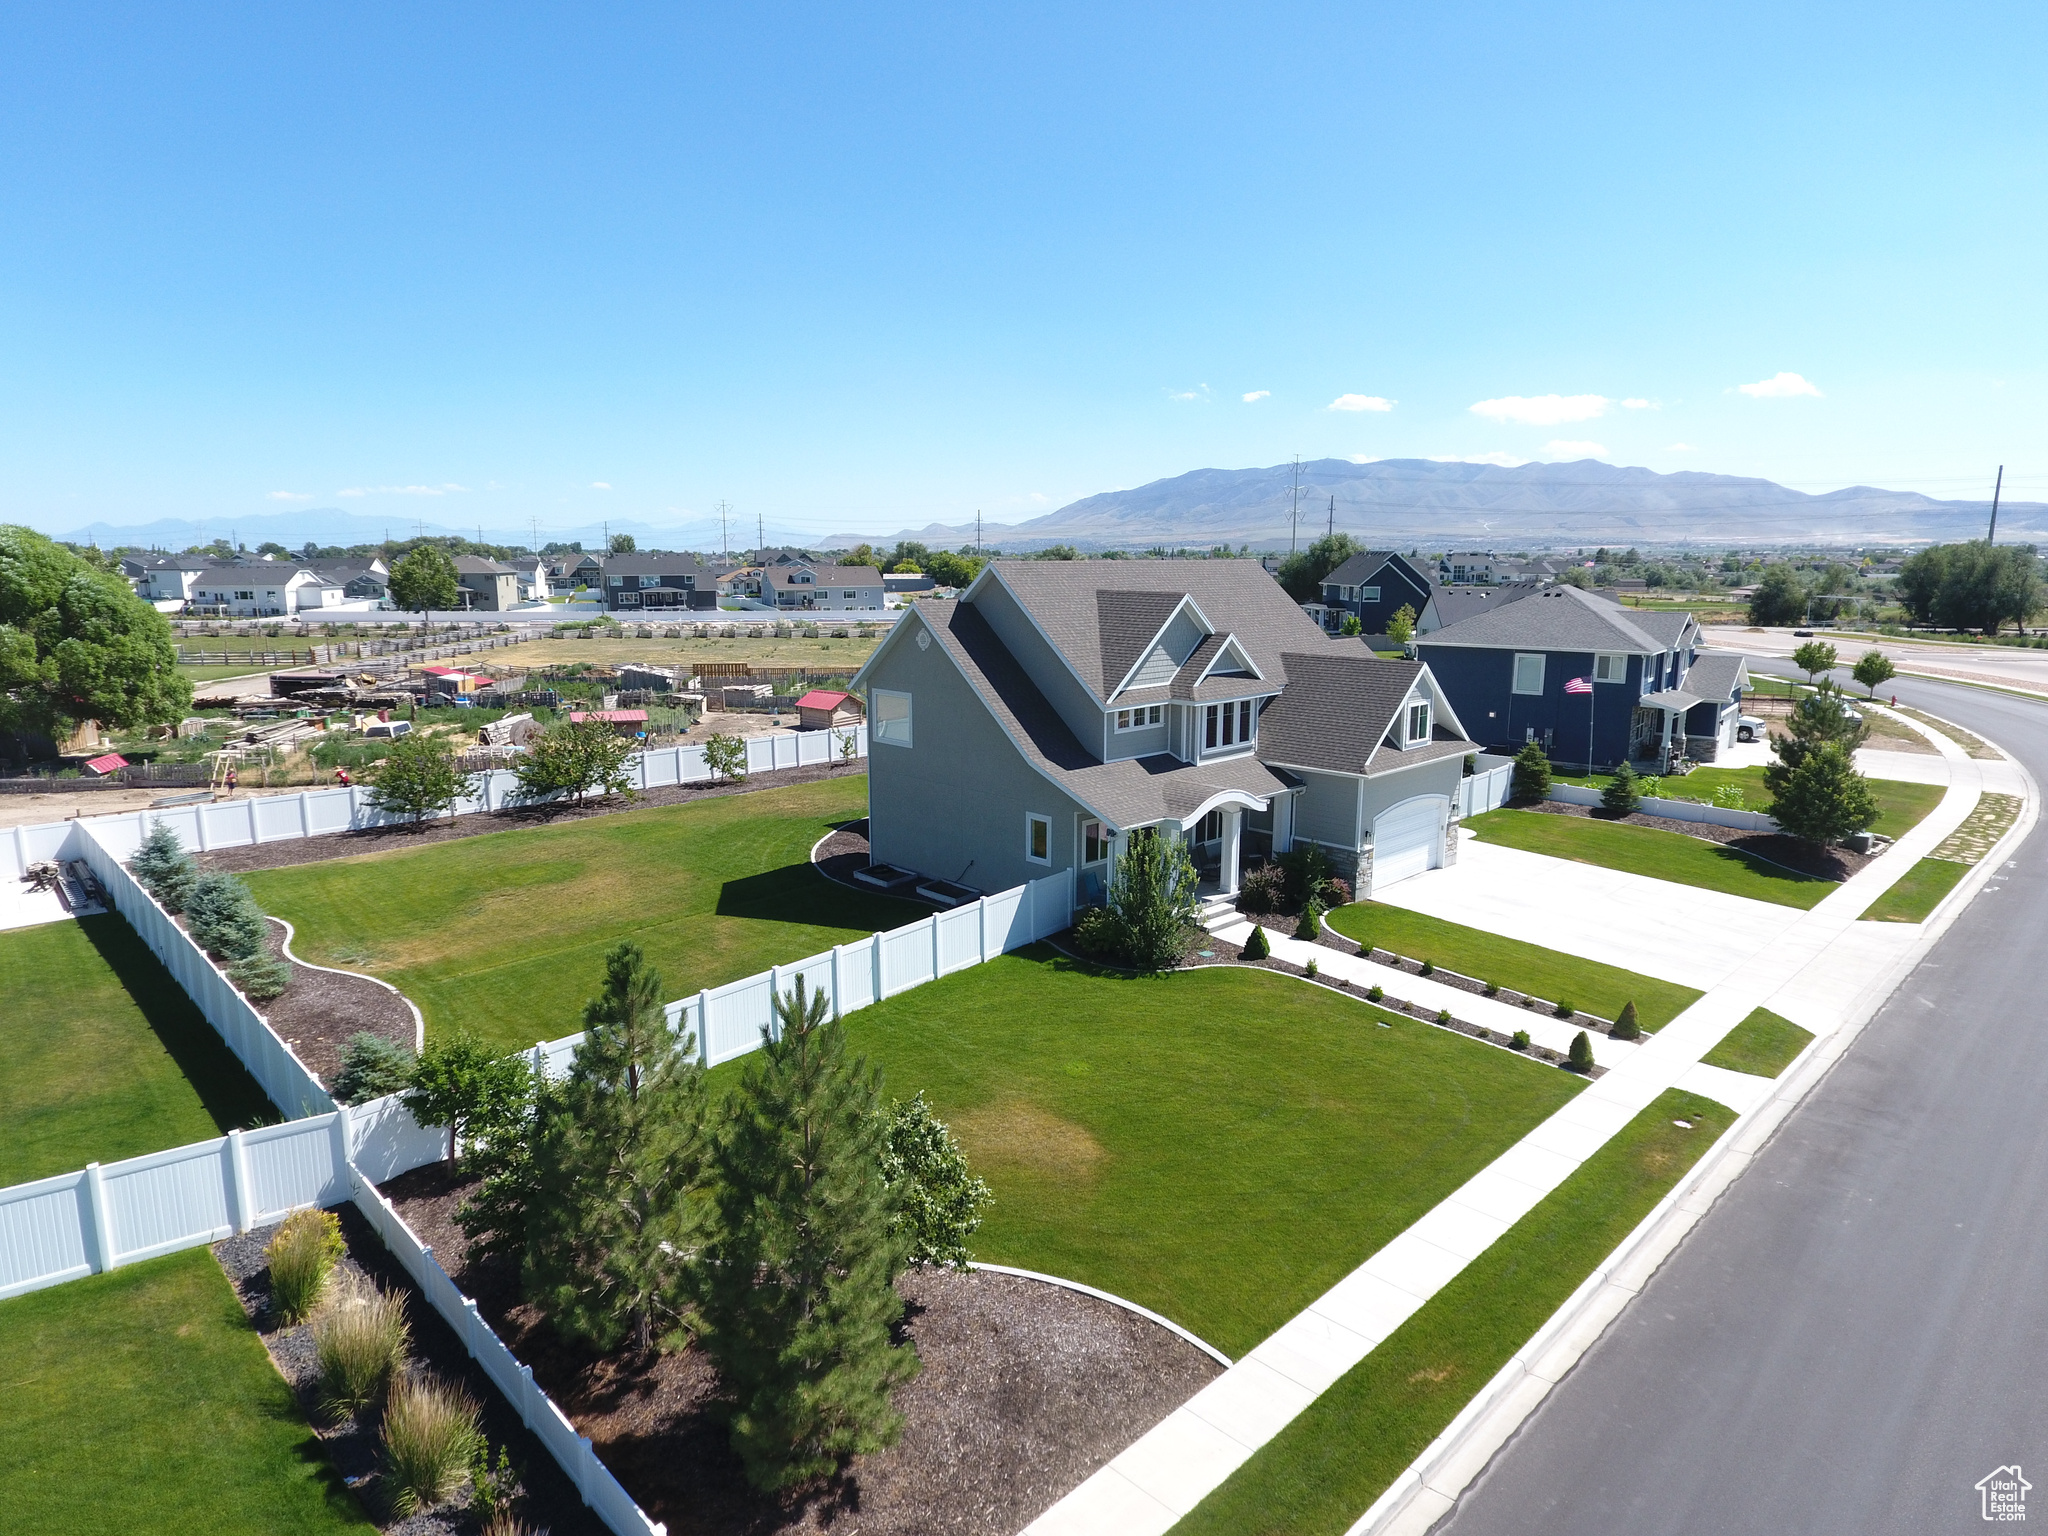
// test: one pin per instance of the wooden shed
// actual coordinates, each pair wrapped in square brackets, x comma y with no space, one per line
[824,708]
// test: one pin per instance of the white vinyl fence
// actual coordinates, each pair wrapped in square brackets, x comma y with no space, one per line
[1488,788]
[1677,810]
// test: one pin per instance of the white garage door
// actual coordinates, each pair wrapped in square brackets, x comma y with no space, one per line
[1407,839]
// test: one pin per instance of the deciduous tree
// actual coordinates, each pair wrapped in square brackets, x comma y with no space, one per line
[1872,668]
[938,1199]
[577,758]
[425,580]
[1814,658]
[417,779]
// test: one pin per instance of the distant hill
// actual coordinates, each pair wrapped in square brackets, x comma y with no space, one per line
[1421,501]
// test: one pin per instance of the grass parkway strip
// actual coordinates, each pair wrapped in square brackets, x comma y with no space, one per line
[1221,1145]
[104,1056]
[1596,988]
[1917,893]
[142,1400]
[505,934]
[1762,1044]
[1648,851]
[1328,1466]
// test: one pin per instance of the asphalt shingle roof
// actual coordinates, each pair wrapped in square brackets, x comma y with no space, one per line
[1337,711]
[1455,604]
[1560,619]
[1715,675]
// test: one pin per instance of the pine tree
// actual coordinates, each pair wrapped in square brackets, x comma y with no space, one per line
[1532,773]
[618,1164]
[1624,792]
[162,867]
[1626,1027]
[1581,1056]
[1256,947]
[799,1292]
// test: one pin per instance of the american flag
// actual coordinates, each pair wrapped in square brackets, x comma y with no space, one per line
[1579,685]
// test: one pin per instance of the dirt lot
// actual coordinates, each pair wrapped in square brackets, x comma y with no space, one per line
[825,655]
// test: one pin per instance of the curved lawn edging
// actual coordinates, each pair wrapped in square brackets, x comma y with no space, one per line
[1116,1301]
[419,1024]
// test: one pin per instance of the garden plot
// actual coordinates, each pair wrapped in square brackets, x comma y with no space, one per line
[503,934]
[104,1055]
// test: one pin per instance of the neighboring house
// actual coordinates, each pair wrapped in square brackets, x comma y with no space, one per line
[260,589]
[1595,683]
[1447,605]
[739,581]
[1372,587]
[1476,567]
[654,579]
[829,587]
[906,583]
[822,709]
[1034,723]
[358,579]
[488,586]
[532,571]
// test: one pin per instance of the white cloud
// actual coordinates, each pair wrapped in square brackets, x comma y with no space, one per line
[1562,449]
[1542,410]
[600,485]
[1637,403]
[1681,448]
[1778,387]
[1199,392]
[1360,403]
[1500,460]
[289,496]
[1257,395]
[404,490]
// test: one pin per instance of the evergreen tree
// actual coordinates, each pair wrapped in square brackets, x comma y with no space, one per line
[162,867]
[1822,718]
[1581,1057]
[618,1165]
[1624,792]
[1532,773]
[224,919]
[1627,1026]
[1257,947]
[1152,893]
[799,1292]
[1824,799]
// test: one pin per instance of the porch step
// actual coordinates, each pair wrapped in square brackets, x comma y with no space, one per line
[1218,912]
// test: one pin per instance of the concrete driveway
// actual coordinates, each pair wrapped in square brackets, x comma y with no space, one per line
[1676,932]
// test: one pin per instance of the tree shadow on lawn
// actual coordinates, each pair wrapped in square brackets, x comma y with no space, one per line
[226,1090]
[800,893]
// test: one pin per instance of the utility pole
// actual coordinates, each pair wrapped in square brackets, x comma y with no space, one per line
[1997,486]
[760,531]
[1294,517]
[1331,531]
[724,543]
[977,533]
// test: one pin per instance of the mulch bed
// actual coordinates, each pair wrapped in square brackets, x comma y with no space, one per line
[1026,1390]
[845,851]
[1772,847]
[548,1501]
[322,1010]
[342,845]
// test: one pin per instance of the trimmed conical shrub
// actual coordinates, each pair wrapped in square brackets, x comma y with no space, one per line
[1627,1026]
[1257,946]
[1582,1053]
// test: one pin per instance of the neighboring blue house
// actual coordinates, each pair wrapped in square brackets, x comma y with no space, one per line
[1375,586]
[1597,684]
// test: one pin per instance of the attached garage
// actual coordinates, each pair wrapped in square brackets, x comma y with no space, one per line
[1408,839]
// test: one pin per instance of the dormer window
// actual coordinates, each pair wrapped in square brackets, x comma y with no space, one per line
[1418,723]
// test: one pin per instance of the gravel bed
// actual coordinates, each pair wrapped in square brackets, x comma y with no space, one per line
[1026,1390]
[321,1010]
[342,845]
[547,1501]
[1772,847]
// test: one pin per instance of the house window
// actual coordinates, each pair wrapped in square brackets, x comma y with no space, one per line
[615,581]
[1209,736]
[1368,594]
[1244,719]
[1610,668]
[1037,838]
[846,594]
[1528,673]
[649,581]
[245,597]
[1094,843]
[891,719]
[1418,722]
[1144,716]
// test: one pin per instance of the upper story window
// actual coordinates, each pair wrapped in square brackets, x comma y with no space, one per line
[649,581]
[1142,718]
[1228,725]
[1528,672]
[891,719]
[1610,667]
[1418,723]
[616,581]
[846,594]
[1368,594]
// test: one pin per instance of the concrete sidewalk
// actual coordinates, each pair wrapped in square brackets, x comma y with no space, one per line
[1815,954]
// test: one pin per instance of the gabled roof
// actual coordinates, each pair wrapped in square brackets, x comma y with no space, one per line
[477,565]
[652,562]
[1363,566]
[823,698]
[1068,600]
[1337,711]
[1453,604]
[788,576]
[1563,619]
[1716,675]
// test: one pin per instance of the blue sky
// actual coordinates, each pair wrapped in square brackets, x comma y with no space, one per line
[858,269]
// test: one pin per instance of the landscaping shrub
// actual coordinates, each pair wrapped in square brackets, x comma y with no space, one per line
[1311,924]
[1624,792]
[261,976]
[1376,992]
[302,1255]
[163,868]
[1581,1053]
[430,1436]
[1334,892]
[1307,876]
[1152,893]
[1264,890]
[938,1201]
[1564,1008]
[1626,1025]
[1097,932]
[359,1339]
[1256,947]
[1443,1015]
[726,756]
[1493,989]
[223,917]
[1532,773]
[371,1067]
[1429,967]
[1521,1041]
[1314,970]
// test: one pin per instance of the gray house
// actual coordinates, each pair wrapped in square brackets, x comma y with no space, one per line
[1032,724]
[653,578]
[486,585]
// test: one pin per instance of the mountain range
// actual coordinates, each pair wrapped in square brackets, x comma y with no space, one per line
[1402,502]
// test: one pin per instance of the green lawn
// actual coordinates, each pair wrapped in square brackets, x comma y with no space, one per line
[1325,1469]
[1649,851]
[214,674]
[1545,973]
[142,1400]
[1220,1145]
[1900,806]
[505,934]
[1762,1044]
[1917,893]
[105,1055]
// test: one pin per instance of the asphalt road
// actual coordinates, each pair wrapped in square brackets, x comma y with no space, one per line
[1858,1331]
